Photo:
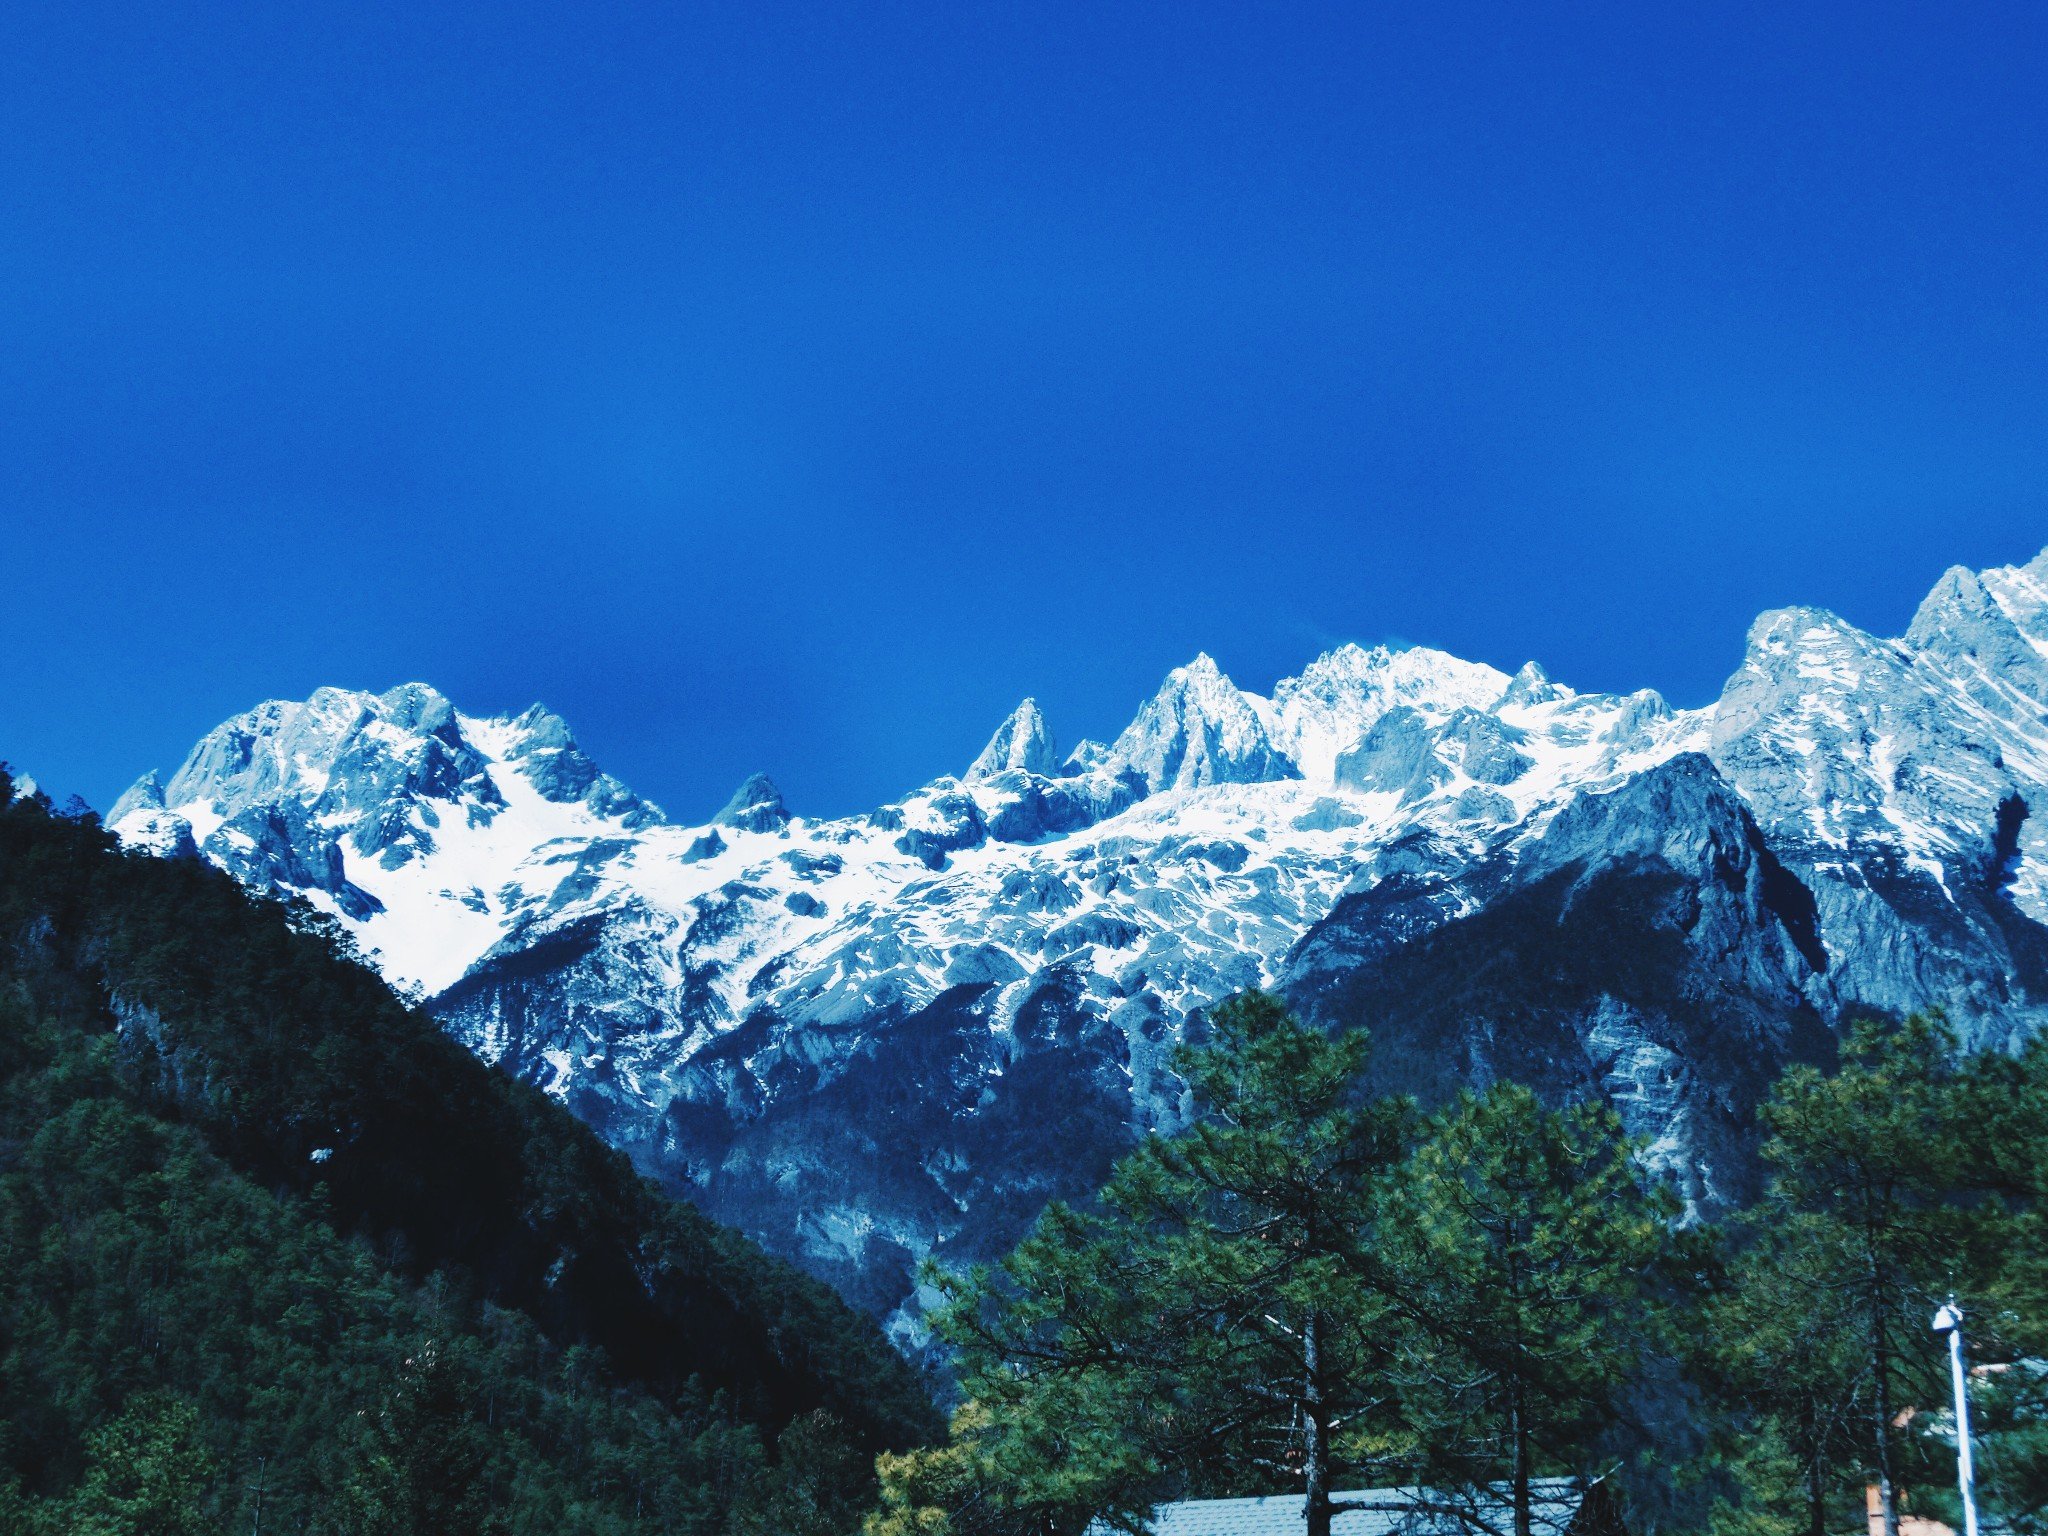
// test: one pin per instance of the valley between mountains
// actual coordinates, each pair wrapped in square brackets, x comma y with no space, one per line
[893,1036]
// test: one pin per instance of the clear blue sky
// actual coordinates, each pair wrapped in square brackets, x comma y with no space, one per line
[796,386]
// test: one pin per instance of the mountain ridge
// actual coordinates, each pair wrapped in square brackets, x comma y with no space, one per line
[698,991]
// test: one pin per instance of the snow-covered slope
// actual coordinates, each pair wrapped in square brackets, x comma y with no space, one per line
[1195,852]
[871,1038]
[430,833]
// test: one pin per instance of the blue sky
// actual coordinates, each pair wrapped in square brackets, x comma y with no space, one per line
[796,386]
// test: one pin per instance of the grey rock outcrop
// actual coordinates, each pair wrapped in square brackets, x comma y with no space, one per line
[756,806]
[1199,729]
[1023,743]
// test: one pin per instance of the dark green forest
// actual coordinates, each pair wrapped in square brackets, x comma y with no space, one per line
[277,1256]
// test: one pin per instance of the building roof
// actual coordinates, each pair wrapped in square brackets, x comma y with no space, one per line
[1395,1512]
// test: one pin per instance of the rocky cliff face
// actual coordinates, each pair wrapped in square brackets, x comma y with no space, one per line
[873,1039]
[1646,947]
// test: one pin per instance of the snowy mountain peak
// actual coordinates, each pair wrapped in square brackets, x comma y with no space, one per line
[1337,698]
[393,811]
[1199,729]
[1022,742]
[1532,685]
[145,794]
[421,708]
[1979,636]
[1839,739]
[546,754]
[1087,756]
[756,806]
[144,821]
[2022,593]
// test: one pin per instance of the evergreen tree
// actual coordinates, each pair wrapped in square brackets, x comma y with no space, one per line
[420,1459]
[2009,1428]
[1785,1357]
[2000,1127]
[147,1474]
[950,1489]
[1863,1230]
[1524,1245]
[819,1487]
[1214,1310]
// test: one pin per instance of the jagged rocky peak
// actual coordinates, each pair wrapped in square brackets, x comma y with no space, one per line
[145,794]
[1336,700]
[1836,737]
[1532,685]
[1023,742]
[144,821]
[1087,756]
[1199,729]
[1975,634]
[365,760]
[546,753]
[1485,747]
[756,806]
[421,709]
[1397,756]
[1681,812]
[1785,712]
[394,811]
[348,752]
[2022,591]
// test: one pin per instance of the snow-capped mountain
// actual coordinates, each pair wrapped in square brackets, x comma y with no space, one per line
[879,1037]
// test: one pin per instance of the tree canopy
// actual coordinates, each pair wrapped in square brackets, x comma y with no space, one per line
[1306,1290]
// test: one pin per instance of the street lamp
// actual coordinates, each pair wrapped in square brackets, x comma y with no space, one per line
[1949,1320]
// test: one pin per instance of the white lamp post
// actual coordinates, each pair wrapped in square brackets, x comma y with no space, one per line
[1949,1320]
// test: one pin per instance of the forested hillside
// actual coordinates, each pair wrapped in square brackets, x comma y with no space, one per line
[276,1255]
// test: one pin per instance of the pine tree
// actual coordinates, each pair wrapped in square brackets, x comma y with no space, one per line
[1784,1356]
[1863,1230]
[421,1461]
[1215,1308]
[1524,1245]
[147,1474]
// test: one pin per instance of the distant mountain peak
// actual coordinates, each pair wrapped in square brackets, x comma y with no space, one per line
[1024,741]
[1533,685]
[1199,729]
[1330,705]
[756,806]
[145,794]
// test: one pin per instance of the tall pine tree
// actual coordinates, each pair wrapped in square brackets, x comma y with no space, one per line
[1213,1316]
[1521,1249]
[1864,1229]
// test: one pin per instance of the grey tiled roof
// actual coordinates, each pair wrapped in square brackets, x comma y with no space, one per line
[1396,1512]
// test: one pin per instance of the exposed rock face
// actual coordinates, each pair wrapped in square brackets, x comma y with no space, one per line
[1022,744]
[1199,729]
[756,806]
[1397,757]
[895,1035]
[1646,947]
[1899,781]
